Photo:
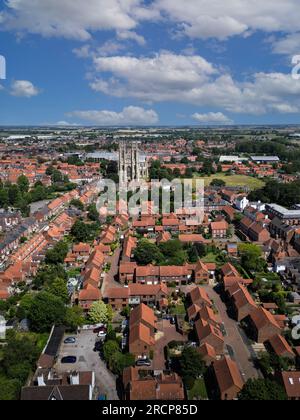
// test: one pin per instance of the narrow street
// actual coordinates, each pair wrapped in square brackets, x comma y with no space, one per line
[109,280]
[234,340]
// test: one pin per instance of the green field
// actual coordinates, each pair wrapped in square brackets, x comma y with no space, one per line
[237,181]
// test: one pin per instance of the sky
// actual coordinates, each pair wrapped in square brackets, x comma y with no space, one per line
[149,62]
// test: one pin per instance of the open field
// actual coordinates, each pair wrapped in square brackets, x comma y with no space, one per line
[237,181]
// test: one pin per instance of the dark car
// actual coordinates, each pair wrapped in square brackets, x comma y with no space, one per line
[70,340]
[98,346]
[143,362]
[173,321]
[69,360]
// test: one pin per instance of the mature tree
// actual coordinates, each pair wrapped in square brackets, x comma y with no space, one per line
[251,257]
[46,310]
[109,349]
[219,183]
[74,318]
[83,232]
[23,184]
[262,390]
[59,288]
[100,313]
[19,357]
[191,363]
[120,361]
[93,213]
[4,200]
[47,274]
[78,204]
[173,252]
[14,195]
[57,254]
[9,389]
[147,253]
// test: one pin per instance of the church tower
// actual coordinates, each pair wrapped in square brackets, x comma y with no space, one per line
[131,168]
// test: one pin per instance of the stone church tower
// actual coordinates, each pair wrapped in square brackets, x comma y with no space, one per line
[131,166]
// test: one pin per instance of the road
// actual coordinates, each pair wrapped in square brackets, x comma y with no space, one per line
[235,340]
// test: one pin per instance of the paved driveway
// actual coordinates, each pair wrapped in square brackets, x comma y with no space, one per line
[235,339]
[167,333]
[109,281]
[88,360]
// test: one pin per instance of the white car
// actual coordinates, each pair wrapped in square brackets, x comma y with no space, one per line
[102,334]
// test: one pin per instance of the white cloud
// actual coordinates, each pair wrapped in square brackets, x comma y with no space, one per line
[288,45]
[222,19]
[192,79]
[131,35]
[129,116]
[212,118]
[23,88]
[65,124]
[75,19]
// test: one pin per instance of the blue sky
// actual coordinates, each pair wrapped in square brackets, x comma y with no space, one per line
[156,62]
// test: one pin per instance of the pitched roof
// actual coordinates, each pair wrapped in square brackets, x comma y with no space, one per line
[143,313]
[227,374]
[198,295]
[280,346]
[241,296]
[140,332]
[291,381]
[261,318]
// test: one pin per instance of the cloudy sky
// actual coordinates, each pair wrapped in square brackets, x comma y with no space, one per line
[151,62]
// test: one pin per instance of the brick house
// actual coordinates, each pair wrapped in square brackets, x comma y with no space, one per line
[241,301]
[228,378]
[142,327]
[263,325]
[163,387]
[219,229]
[136,294]
[203,272]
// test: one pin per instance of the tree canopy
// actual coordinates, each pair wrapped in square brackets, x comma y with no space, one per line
[262,390]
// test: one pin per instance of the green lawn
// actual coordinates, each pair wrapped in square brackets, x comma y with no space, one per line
[178,310]
[209,258]
[198,391]
[237,181]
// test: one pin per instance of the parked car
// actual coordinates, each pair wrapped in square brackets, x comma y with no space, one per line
[98,346]
[69,360]
[102,334]
[70,340]
[143,362]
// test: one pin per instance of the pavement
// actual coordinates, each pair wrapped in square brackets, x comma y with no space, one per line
[88,360]
[236,342]
[168,334]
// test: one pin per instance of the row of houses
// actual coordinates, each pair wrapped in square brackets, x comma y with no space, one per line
[199,273]
[210,339]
